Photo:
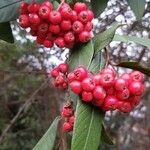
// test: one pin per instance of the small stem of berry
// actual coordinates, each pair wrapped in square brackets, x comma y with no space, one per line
[62,2]
[107,57]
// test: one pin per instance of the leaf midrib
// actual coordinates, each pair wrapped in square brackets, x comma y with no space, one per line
[89,129]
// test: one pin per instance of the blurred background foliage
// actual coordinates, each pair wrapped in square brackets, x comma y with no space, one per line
[24,67]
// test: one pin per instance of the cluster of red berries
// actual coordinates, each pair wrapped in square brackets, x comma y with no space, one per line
[68,115]
[64,26]
[59,74]
[107,91]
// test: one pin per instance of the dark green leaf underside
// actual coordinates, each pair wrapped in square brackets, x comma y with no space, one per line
[104,38]
[138,7]
[97,62]
[98,6]
[87,129]
[81,55]
[6,32]
[9,9]
[47,141]
[135,66]
[124,38]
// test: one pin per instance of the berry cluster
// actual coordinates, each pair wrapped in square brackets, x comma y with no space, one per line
[107,91]
[68,115]
[64,26]
[59,74]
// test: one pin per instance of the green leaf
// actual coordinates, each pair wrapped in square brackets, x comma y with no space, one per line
[138,7]
[9,10]
[105,137]
[135,66]
[97,62]
[88,119]
[47,141]
[55,4]
[81,55]
[125,38]
[98,6]
[104,38]
[87,128]
[6,32]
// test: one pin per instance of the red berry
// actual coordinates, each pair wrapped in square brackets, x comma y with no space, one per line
[83,16]
[63,68]
[67,127]
[44,12]
[43,28]
[71,76]
[23,8]
[80,73]
[59,80]
[34,19]
[40,40]
[107,80]
[88,84]
[76,87]
[99,92]
[65,85]
[108,70]
[71,120]
[66,13]
[123,95]
[136,88]
[24,21]
[74,16]
[66,25]
[55,29]
[121,84]
[88,27]
[134,100]
[60,42]
[54,72]
[34,27]
[69,37]
[97,102]
[124,106]
[48,4]
[33,32]
[69,45]
[55,17]
[110,103]
[78,7]
[97,79]
[110,91]
[33,7]
[77,27]
[48,43]
[87,96]
[90,14]
[49,36]
[136,76]
[84,36]
[126,77]
[67,112]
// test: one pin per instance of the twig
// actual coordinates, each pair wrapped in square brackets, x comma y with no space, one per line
[62,2]
[141,55]
[24,107]
[21,72]
[107,57]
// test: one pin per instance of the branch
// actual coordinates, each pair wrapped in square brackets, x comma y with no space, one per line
[22,72]
[23,108]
